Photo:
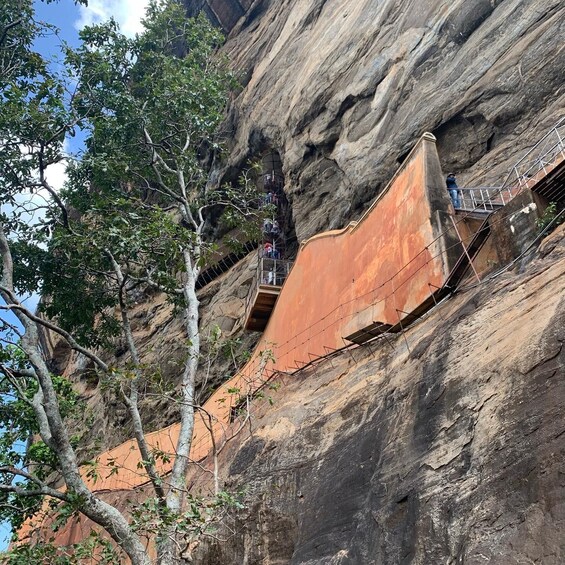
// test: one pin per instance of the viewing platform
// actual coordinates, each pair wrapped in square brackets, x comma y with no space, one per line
[482,200]
[271,275]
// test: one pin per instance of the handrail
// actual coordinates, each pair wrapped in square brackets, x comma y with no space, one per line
[270,272]
[273,272]
[555,130]
[486,198]
[479,187]
[481,199]
[553,151]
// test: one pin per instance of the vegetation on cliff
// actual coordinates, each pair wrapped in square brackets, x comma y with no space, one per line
[136,212]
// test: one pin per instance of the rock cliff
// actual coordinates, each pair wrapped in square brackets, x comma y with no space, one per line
[446,447]
[344,88]
[442,446]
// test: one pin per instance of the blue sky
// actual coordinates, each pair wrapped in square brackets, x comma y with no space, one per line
[69,19]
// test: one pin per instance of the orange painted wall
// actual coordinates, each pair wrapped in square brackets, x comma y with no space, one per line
[377,269]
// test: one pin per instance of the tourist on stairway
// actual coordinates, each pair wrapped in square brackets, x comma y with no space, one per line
[451,183]
[268,250]
[275,229]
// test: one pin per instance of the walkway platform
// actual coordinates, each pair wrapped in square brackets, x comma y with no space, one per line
[271,275]
[376,329]
[261,307]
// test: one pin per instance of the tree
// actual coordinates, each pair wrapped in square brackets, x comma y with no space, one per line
[137,211]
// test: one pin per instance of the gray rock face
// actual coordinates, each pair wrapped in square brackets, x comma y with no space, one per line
[445,446]
[343,89]
[222,13]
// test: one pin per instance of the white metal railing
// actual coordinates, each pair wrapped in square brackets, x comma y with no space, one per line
[484,198]
[537,162]
[540,158]
[272,272]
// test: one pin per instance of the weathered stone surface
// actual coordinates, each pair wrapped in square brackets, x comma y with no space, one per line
[344,88]
[452,451]
[223,13]
[446,449]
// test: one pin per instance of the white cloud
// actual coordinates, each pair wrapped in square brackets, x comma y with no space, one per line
[56,175]
[31,208]
[127,13]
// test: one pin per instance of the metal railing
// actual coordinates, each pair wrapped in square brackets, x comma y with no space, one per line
[536,163]
[542,157]
[484,198]
[272,272]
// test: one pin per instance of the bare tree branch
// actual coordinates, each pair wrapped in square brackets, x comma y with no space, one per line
[18,308]
[43,489]
[132,400]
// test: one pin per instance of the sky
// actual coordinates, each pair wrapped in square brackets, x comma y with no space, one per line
[70,19]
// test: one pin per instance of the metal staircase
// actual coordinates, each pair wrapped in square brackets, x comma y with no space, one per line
[469,253]
[272,265]
[542,168]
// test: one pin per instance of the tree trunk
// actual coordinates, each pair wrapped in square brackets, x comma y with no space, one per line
[166,547]
[97,510]
[54,433]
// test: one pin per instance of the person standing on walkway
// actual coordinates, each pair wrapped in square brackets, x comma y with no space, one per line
[451,183]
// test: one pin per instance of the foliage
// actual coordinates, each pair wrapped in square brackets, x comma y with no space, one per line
[47,553]
[136,213]
[202,516]
[18,425]
[79,263]
[549,217]
[144,106]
